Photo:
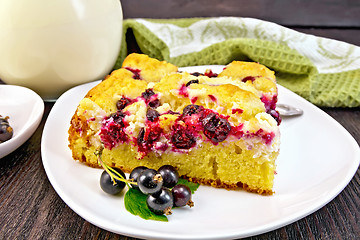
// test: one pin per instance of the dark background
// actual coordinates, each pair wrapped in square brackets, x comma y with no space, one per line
[336,19]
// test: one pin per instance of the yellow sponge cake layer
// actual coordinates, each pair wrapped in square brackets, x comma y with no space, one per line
[220,130]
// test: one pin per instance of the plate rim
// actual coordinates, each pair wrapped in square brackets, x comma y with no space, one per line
[269,227]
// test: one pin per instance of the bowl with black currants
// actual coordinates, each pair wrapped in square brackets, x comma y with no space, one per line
[21,112]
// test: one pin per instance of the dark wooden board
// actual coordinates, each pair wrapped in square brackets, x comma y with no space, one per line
[322,13]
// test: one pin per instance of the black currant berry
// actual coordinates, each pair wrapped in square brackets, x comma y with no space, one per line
[196,74]
[135,173]
[6,132]
[147,94]
[154,103]
[118,117]
[183,139]
[276,115]
[161,203]
[169,175]
[150,181]
[108,186]
[192,109]
[182,196]
[122,103]
[152,115]
[216,128]
[191,82]
[146,138]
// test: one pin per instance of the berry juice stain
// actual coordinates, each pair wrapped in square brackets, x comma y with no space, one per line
[212,97]
[136,73]
[112,130]
[183,91]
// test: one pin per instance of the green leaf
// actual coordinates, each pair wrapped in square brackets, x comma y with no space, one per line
[135,203]
[193,186]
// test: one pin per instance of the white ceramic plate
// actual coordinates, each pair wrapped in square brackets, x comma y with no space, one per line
[25,109]
[318,159]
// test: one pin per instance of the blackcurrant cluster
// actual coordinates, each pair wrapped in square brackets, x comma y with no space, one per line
[162,188]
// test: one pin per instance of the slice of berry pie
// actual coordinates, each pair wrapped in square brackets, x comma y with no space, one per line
[216,129]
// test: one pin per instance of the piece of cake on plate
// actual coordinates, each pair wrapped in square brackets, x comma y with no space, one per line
[221,130]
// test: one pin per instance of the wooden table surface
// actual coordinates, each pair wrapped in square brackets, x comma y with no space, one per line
[31,209]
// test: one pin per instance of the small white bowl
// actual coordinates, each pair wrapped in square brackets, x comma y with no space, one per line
[25,109]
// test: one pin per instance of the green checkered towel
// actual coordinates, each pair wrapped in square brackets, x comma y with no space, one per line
[324,71]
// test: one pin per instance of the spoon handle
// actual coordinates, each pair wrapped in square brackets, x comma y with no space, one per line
[287,110]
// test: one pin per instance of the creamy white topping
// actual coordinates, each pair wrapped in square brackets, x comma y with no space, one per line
[137,117]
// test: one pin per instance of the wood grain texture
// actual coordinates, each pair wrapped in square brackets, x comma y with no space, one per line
[339,20]
[325,13]
[31,209]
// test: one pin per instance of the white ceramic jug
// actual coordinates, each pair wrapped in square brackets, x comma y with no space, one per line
[51,46]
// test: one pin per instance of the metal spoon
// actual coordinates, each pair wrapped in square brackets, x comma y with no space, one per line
[288,111]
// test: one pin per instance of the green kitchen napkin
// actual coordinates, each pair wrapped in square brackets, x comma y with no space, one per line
[324,71]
